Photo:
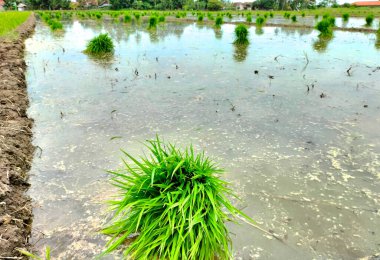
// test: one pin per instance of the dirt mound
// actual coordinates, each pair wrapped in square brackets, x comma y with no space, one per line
[16,150]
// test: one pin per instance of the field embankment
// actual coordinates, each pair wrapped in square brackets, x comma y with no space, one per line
[16,149]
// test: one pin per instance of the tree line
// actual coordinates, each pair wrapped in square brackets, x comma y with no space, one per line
[212,5]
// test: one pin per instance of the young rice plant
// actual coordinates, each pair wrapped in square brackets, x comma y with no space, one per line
[100,45]
[152,22]
[369,20]
[218,21]
[177,204]
[241,34]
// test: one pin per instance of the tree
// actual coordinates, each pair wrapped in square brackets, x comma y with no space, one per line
[265,4]
[48,4]
[214,5]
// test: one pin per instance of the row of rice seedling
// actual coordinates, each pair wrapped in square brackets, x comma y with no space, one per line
[52,19]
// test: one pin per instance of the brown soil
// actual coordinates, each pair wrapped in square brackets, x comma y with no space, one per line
[16,150]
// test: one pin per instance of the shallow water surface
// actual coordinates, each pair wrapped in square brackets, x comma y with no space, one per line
[293,119]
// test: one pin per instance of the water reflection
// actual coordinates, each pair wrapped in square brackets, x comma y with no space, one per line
[321,44]
[153,36]
[240,52]
[259,31]
[218,33]
[377,42]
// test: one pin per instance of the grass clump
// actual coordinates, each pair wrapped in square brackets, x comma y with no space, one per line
[137,16]
[100,45]
[346,16]
[294,18]
[260,21]
[249,18]
[161,19]
[152,22]
[218,21]
[200,18]
[325,27]
[369,20]
[241,33]
[127,18]
[177,204]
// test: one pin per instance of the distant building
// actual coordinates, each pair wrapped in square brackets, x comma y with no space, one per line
[368,3]
[243,4]
[21,7]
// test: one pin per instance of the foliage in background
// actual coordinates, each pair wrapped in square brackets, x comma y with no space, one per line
[177,204]
[9,21]
[48,4]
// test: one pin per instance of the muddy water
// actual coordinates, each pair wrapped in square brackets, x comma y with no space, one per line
[299,139]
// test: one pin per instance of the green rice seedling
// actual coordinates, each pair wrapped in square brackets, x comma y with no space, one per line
[369,20]
[331,20]
[316,16]
[178,15]
[325,16]
[325,27]
[218,21]
[249,19]
[294,18]
[36,257]
[54,24]
[137,16]
[100,45]
[152,23]
[200,18]
[346,16]
[271,15]
[176,202]
[229,16]
[127,18]
[303,14]
[260,21]
[98,15]
[161,19]
[241,34]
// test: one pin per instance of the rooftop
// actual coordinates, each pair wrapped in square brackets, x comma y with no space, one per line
[367,3]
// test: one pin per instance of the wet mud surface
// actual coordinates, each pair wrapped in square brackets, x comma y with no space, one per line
[16,150]
[293,119]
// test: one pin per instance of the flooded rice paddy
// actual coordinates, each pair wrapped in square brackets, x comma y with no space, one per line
[353,22]
[294,121]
